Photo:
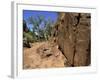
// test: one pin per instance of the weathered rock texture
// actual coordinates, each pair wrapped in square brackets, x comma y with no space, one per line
[72,34]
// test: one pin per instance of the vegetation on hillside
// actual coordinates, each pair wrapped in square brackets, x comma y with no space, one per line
[41,30]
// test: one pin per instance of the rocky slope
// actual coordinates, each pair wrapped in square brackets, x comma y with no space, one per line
[43,55]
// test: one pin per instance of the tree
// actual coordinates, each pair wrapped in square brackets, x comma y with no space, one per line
[48,28]
[36,21]
[27,36]
[44,32]
[25,28]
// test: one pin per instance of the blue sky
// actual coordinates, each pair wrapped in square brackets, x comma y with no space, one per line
[47,15]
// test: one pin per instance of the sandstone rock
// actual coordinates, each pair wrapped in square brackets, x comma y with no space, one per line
[73,37]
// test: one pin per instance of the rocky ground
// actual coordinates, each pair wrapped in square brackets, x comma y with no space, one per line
[43,55]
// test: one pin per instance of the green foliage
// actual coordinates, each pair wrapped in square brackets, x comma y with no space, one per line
[28,36]
[38,33]
[48,29]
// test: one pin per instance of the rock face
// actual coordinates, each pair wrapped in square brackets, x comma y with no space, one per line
[72,34]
